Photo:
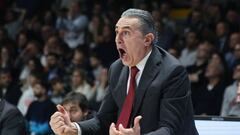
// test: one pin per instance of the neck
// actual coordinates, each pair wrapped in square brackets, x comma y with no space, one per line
[214,81]
[200,62]
[145,54]
[42,98]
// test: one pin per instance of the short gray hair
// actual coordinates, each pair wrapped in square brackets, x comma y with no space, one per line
[145,19]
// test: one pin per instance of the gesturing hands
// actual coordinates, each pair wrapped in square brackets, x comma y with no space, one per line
[61,124]
[135,130]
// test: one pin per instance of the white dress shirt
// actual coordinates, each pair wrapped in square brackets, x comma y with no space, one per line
[140,66]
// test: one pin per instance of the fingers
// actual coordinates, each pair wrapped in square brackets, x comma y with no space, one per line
[137,122]
[57,123]
[65,114]
[125,131]
[113,130]
[131,131]
[61,109]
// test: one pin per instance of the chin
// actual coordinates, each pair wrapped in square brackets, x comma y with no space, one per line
[125,63]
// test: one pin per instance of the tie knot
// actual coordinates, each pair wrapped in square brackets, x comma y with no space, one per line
[134,71]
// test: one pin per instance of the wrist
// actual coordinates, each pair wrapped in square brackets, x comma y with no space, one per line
[74,129]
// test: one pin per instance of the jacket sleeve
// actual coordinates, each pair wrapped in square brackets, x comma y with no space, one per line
[13,124]
[175,105]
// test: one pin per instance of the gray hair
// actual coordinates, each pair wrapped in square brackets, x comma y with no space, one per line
[147,24]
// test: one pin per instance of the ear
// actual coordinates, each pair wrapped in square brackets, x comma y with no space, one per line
[149,39]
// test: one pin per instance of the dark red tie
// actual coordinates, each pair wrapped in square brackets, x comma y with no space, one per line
[128,103]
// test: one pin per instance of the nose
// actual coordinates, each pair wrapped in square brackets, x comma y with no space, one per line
[118,38]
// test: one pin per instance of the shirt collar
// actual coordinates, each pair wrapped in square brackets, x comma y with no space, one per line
[143,62]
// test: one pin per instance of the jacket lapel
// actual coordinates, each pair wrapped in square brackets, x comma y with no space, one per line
[120,90]
[149,73]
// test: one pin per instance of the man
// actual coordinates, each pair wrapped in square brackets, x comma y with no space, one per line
[162,93]
[76,104]
[189,53]
[10,90]
[40,110]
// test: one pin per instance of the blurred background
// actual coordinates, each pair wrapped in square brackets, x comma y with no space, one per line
[69,45]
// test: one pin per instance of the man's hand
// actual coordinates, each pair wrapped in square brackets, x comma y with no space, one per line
[113,130]
[135,130]
[61,124]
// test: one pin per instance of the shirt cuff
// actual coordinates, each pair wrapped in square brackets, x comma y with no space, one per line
[78,128]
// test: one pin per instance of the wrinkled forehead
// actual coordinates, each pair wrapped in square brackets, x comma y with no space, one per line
[128,22]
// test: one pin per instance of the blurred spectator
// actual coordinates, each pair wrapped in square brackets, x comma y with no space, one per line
[197,70]
[76,104]
[3,36]
[79,60]
[99,87]
[96,66]
[53,68]
[95,28]
[11,120]
[215,14]
[195,21]
[28,97]
[233,19]
[165,35]
[229,56]
[80,84]
[40,111]
[31,50]
[165,10]
[9,88]
[49,18]
[6,57]
[58,90]
[208,98]
[174,51]
[73,26]
[22,40]
[188,55]
[222,31]
[106,47]
[33,64]
[14,21]
[230,105]
[46,32]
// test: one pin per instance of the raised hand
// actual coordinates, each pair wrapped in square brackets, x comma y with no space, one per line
[135,130]
[61,124]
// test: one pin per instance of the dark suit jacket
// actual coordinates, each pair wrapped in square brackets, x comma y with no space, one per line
[11,120]
[163,98]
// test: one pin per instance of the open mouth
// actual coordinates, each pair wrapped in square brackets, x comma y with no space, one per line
[121,52]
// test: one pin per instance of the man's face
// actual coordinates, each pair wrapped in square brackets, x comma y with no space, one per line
[191,39]
[76,79]
[236,74]
[38,90]
[5,79]
[234,39]
[75,112]
[237,51]
[203,51]
[220,29]
[131,43]
[51,61]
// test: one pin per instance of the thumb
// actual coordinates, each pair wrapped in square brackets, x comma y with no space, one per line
[61,109]
[137,121]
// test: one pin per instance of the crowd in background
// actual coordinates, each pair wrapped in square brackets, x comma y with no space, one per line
[51,48]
